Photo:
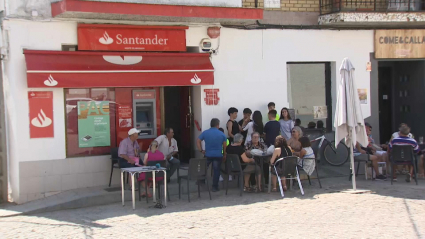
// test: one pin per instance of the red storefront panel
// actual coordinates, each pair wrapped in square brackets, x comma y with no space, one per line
[41,114]
[123,97]
[116,69]
[96,37]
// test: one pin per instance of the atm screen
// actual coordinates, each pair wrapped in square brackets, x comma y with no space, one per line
[142,116]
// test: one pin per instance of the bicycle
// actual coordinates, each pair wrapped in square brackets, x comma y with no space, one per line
[335,157]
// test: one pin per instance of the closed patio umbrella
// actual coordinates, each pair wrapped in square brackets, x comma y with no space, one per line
[349,122]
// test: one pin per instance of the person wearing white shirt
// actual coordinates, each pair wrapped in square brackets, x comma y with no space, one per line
[168,146]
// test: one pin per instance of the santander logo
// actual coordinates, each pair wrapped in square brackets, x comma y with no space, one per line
[196,80]
[106,40]
[41,120]
[50,81]
[123,60]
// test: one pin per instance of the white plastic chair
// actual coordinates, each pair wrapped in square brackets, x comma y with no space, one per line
[290,168]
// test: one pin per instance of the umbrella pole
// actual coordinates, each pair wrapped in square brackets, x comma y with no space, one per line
[353,171]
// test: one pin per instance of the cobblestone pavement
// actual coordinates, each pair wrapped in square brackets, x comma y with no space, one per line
[396,211]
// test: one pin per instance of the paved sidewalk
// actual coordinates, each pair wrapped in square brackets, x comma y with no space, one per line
[396,211]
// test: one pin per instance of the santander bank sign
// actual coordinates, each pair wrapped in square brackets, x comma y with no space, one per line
[131,38]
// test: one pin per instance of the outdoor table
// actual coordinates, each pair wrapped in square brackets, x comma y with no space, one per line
[143,169]
[261,160]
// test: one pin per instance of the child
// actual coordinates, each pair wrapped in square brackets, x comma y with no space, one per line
[272,106]
[271,129]
[307,158]
[232,126]
[230,176]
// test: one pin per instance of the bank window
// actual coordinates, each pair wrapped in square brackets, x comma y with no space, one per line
[90,121]
[144,113]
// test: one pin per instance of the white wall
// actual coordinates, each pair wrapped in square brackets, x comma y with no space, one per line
[41,36]
[250,69]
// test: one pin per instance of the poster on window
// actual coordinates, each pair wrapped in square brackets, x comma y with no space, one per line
[125,116]
[320,112]
[362,96]
[41,114]
[93,124]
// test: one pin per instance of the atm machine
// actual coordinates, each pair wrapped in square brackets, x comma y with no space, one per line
[144,113]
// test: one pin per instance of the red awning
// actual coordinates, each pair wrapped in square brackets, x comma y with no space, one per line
[77,69]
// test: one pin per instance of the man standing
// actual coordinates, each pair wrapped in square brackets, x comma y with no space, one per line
[215,149]
[167,145]
[129,149]
[246,118]
[272,106]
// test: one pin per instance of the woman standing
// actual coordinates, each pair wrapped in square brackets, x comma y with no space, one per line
[286,123]
[254,126]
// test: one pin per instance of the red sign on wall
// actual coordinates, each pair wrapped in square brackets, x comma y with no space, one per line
[41,114]
[96,37]
[211,96]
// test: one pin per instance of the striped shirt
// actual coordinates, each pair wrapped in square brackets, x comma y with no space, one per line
[403,140]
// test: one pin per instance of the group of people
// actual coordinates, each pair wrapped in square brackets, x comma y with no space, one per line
[162,148]
[279,137]
[380,153]
[249,137]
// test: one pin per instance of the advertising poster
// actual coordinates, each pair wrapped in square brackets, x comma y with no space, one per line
[41,114]
[320,112]
[93,124]
[125,116]
[362,96]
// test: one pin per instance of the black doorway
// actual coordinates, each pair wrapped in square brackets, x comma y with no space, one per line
[385,83]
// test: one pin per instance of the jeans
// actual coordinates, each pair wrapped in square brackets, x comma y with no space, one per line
[172,166]
[216,162]
[125,164]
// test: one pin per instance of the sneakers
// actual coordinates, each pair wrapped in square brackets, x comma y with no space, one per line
[381,177]
[215,189]
[408,177]
[221,178]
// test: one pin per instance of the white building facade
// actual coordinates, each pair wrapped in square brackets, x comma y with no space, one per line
[250,70]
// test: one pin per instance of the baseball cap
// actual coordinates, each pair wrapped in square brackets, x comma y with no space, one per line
[367,124]
[133,131]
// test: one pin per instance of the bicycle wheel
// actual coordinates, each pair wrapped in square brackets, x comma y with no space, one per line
[336,157]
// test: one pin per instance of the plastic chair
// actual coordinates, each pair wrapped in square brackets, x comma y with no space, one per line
[403,155]
[315,169]
[359,159]
[233,167]
[197,171]
[289,167]
[114,160]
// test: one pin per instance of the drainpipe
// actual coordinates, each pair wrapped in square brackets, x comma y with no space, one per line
[256,3]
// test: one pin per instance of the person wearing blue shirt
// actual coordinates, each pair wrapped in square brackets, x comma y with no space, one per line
[215,149]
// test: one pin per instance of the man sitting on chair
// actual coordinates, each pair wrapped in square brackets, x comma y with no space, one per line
[404,139]
[167,145]
[362,153]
